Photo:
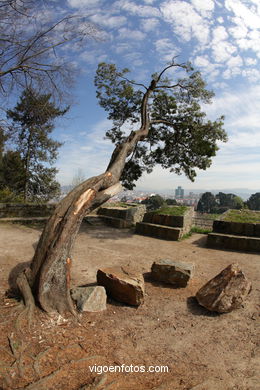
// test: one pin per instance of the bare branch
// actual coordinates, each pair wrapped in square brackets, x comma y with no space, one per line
[171,86]
[27,54]
[132,82]
[172,65]
[161,121]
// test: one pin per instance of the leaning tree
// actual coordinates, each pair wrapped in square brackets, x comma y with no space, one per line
[165,126]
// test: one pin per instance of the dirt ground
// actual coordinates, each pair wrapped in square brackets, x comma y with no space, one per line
[202,350]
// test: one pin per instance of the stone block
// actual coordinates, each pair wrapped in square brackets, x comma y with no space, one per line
[158,231]
[122,284]
[226,291]
[173,272]
[91,299]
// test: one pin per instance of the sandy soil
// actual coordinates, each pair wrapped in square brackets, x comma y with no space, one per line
[203,349]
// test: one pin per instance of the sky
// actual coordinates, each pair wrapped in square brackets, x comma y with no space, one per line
[221,38]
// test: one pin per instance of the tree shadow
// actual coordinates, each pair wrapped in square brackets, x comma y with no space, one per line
[196,309]
[105,232]
[201,242]
[148,279]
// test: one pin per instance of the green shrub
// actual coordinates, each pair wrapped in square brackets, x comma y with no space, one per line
[8,196]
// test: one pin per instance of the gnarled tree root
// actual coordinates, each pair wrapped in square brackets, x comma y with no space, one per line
[25,289]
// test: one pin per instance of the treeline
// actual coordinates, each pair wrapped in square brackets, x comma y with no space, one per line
[222,202]
[27,152]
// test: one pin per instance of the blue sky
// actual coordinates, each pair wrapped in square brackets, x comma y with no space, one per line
[220,37]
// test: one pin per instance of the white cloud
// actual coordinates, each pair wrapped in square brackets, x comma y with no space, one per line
[250,16]
[239,31]
[149,24]
[250,61]
[166,48]
[253,75]
[109,21]
[207,67]
[93,57]
[126,33]
[144,11]
[222,49]
[186,22]
[241,110]
[204,7]
[134,58]
[84,3]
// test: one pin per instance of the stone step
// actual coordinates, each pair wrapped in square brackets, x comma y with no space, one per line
[158,231]
[112,221]
[230,241]
[93,220]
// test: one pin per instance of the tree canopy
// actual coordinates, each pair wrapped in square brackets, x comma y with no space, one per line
[180,137]
[32,123]
[254,201]
[207,203]
[219,203]
[154,202]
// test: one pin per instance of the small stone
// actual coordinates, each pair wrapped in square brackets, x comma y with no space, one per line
[173,272]
[122,284]
[226,291]
[91,299]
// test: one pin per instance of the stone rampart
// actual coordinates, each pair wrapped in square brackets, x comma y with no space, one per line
[14,210]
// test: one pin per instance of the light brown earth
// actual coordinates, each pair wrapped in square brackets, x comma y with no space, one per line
[203,349]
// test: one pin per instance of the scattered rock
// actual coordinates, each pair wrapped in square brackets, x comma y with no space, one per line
[91,299]
[226,291]
[122,284]
[173,272]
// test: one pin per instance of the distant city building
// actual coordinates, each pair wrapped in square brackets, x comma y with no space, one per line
[179,193]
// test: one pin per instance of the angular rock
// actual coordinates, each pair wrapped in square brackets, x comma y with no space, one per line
[91,299]
[226,291]
[122,284]
[173,272]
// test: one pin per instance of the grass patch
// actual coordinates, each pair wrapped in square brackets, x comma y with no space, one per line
[186,235]
[174,210]
[244,216]
[197,229]
[120,204]
[209,216]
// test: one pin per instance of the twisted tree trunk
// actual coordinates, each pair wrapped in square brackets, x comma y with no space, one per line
[48,278]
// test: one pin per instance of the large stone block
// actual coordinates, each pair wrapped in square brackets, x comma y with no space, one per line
[122,284]
[91,299]
[226,291]
[173,272]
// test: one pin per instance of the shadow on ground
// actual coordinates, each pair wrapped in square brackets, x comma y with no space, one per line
[195,308]
[105,232]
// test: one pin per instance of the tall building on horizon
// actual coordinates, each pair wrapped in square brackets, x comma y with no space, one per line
[179,193]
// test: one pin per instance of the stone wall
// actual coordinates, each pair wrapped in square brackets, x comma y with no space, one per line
[181,221]
[237,228]
[15,210]
[204,223]
[132,214]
